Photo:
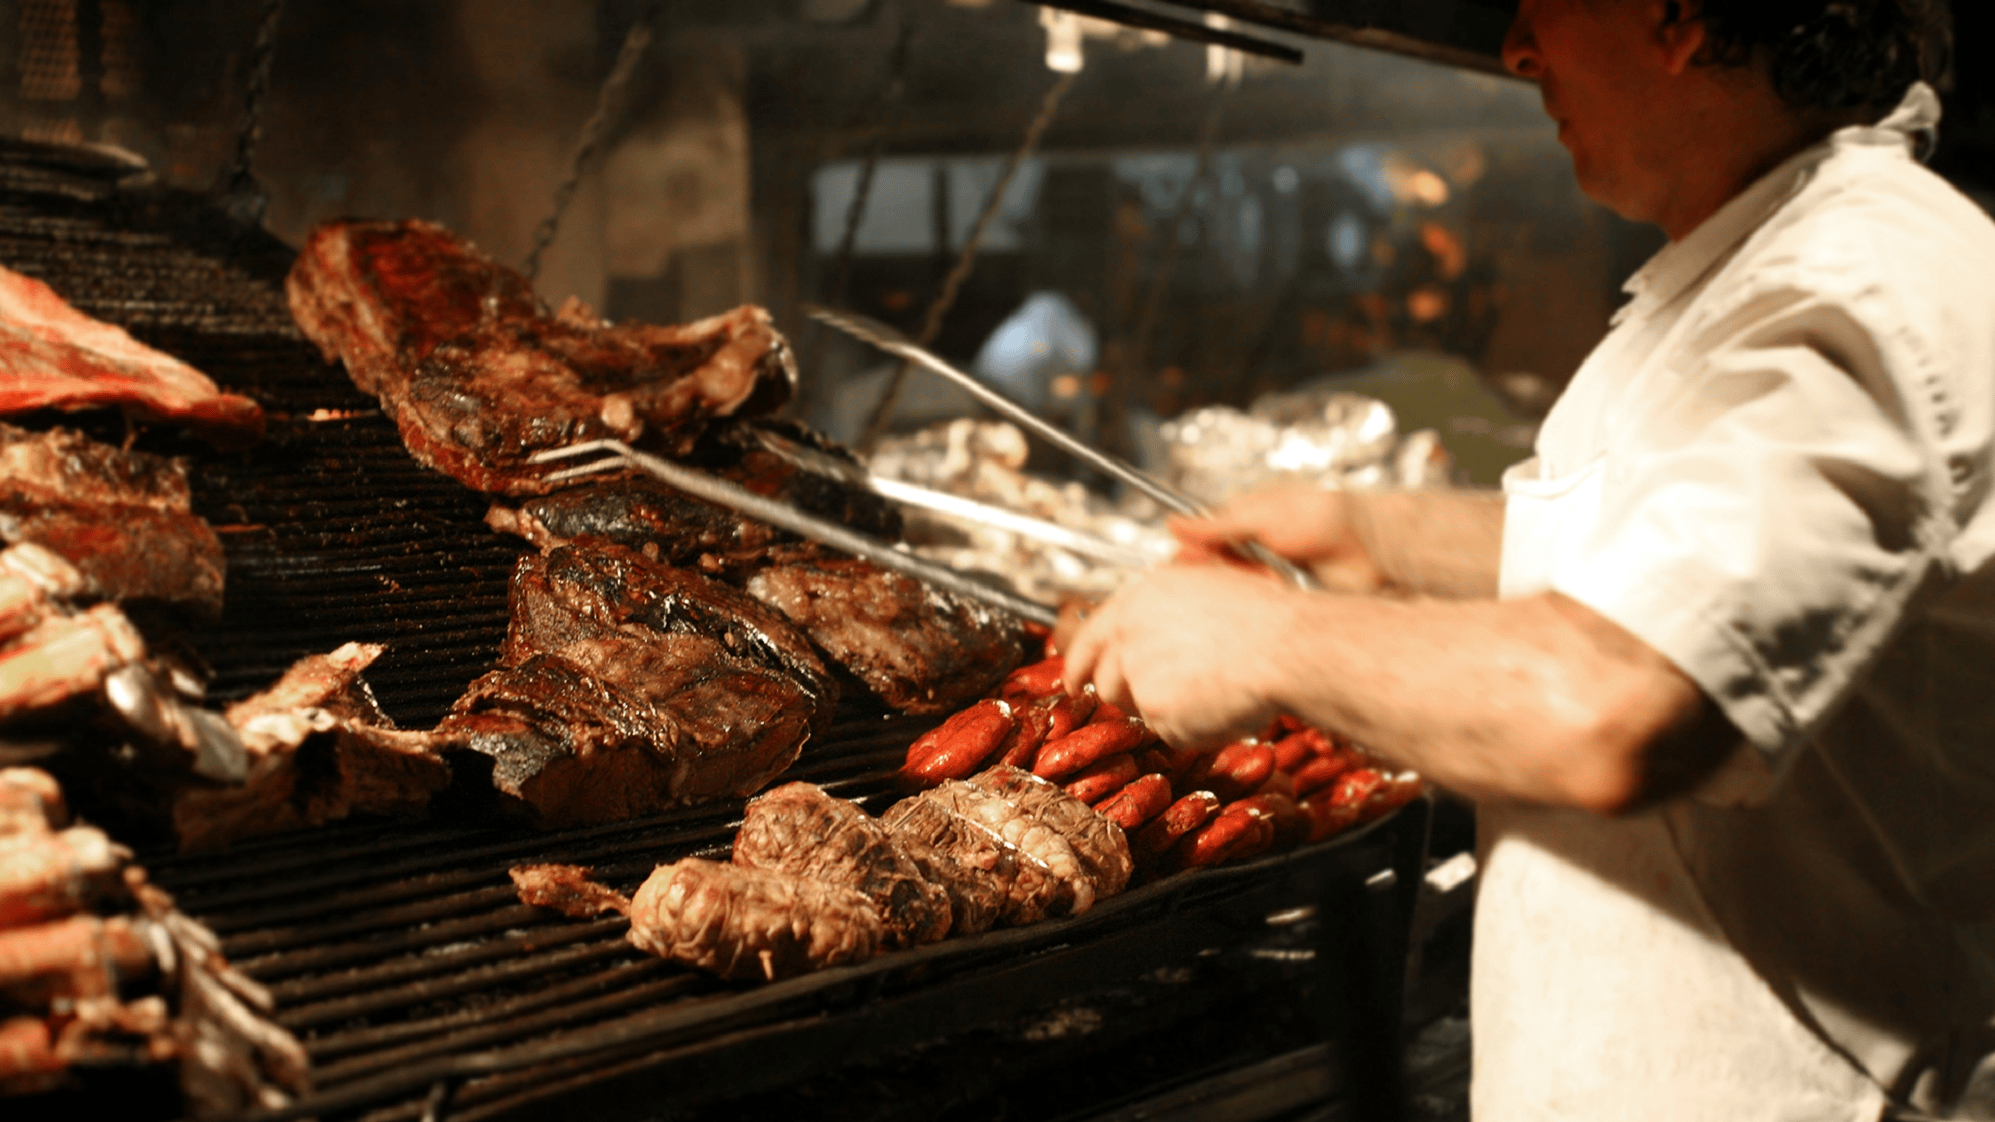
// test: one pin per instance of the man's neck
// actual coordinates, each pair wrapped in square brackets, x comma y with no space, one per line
[1728,147]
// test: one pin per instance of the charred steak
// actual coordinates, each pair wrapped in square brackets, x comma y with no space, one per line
[919,649]
[478,376]
[799,829]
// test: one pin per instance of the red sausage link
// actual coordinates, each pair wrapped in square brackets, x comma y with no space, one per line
[1069,712]
[1317,773]
[1082,747]
[1291,751]
[1232,835]
[1035,682]
[1397,789]
[1029,726]
[1279,783]
[1144,798]
[1154,759]
[1103,778]
[1106,712]
[1180,818]
[1291,825]
[1236,770]
[1326,818]
[1355,786]
[966,740]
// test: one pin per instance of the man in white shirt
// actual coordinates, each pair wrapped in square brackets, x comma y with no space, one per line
[1719,665]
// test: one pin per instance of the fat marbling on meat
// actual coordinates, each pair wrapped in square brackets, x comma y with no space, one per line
[478,376]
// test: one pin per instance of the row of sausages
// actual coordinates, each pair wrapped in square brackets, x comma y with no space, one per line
[1181,809]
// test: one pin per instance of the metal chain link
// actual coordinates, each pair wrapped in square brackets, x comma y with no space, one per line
[893,102]
[609,103]
[241,194]
[931,325]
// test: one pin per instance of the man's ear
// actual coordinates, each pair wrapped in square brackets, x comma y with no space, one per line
[1681,34]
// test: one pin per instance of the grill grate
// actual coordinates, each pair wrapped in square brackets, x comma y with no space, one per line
[399,953]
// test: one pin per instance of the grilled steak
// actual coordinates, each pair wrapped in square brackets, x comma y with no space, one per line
[55,357]
[122,518]
[740,922]
[1031,835]
[615,727]
[1029,889]
[478,376]
[1099,843]
[920,650]
[799,829]
[596,589]
[671,526]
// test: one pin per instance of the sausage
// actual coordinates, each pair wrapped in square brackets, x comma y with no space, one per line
[1153,759]
[1180,818]
[959,745]
[1233,834]
[1326,817]
[1021,744]
[1144,798]
[1085,746]
[1291,825]
[1034,682]
[1317,773]
[1355,786]
[1396,790]
[1103,778]
[1279,783]
[1292,751]
[1069,712]
[1235,770]
[1105,712]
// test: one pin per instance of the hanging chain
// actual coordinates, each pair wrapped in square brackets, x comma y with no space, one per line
[609,103]
[242,195]
[931,325]
[893,102]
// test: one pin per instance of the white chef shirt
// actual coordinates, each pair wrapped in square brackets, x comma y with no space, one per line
[1775,470]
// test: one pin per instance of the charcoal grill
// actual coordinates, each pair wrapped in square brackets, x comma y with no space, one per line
[399,953]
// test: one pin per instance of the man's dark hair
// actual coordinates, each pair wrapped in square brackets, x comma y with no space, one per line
[1834,54]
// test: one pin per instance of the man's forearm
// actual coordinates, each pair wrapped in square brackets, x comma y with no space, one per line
[1434,543]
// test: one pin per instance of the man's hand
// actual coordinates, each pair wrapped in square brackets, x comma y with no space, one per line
[1183,646]
[1310,526]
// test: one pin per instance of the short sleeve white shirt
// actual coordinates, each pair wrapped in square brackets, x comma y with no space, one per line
[1775,470]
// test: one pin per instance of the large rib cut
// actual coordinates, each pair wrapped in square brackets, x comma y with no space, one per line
[55,357]
[479,376]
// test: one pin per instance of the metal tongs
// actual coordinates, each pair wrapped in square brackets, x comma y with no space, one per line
[725,493]
[893,342]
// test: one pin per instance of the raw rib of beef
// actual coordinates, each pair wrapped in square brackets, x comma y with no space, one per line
[739,922]
[630,687]
[920,650]
[55,357]
[799,829]
[478,376]
[123,518]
